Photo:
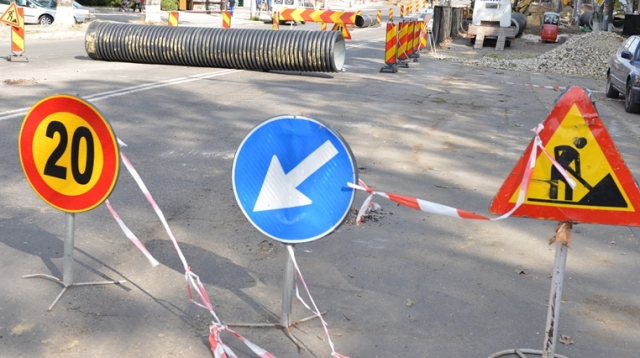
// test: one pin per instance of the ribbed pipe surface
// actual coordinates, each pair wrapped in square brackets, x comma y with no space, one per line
[251,49]
[364,20]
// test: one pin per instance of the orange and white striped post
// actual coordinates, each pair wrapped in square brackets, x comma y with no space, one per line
[226,19]
[17,39]
[402,11]
[409,8]
[378,17]
[276,21]
[390,15]
[173,18]
[391,49]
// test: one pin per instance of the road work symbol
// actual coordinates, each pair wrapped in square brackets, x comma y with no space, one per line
[596,187]
[290,178]
[10,16]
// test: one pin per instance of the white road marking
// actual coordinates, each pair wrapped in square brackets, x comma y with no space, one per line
[21,112]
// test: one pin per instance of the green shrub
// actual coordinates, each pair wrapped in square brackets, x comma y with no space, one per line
[168,5]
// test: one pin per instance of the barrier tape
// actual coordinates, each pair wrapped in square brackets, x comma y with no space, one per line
[439,209]
[218,348]
[315,309]
[554,87]
[132,236]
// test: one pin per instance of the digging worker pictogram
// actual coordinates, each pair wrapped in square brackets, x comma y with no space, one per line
[565,156]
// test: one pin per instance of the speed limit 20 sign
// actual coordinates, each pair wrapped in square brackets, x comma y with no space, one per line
[69,153]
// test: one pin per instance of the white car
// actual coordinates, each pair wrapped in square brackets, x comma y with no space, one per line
[80,13]
[34,12]
[45,13]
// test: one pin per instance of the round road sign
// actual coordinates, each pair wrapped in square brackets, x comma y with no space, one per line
[69,153]
[290,178]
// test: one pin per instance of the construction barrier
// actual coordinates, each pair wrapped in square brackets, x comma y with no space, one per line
[173,18]
[391,49]
[410,34]
[424,35]
[275,22]
[323,26]
[328,16]
[226,19]
[402,44]
[409,9]
[417,29]
[251,49]
[17,39]
[390,15]
[378,17]
[401,11]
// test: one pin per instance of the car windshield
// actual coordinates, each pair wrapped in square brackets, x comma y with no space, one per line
[36,3]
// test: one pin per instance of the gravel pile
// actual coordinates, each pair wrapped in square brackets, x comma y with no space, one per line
[584,55]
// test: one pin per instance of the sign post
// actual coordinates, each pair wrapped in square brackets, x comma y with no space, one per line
[290,178]
[70,157]
[573,173]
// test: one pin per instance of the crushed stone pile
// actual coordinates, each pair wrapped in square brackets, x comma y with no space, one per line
[584,55]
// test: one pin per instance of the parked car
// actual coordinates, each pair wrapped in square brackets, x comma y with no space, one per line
[623,75]
[44,13]
[34,12]
[80,13]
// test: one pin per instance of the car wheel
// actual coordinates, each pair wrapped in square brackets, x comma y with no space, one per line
[609,91]
[629,105]
[45,20]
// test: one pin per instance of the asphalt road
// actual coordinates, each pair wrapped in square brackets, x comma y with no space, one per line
[407,284]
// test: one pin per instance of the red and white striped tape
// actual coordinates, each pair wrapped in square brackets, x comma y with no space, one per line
[218,348]
[439,209]
[555,88]
[315,309]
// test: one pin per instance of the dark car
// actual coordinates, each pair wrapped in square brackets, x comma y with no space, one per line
[623,75]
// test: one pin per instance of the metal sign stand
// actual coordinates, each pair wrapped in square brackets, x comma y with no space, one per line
[553,313]
[287,304]
[67,275]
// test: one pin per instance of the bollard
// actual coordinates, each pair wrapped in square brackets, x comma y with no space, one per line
[173,18]
[402,44]
[378,17]
[226,19]
[401,11]
[423,36]
[17,39]
[276,20]
[391,49]
[390,15]
[416,40]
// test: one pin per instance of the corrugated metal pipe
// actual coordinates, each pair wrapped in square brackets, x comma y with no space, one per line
[251,49]
[365,20]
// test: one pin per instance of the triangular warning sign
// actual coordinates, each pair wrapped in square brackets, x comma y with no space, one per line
[603,192]
[10,16]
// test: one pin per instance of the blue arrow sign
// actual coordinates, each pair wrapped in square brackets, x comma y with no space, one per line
[290,178]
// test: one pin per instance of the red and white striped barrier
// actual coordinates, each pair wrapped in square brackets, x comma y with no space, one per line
[555,88]
[218,348]
[439,209]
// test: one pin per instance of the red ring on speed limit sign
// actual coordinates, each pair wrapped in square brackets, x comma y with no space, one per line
[69,153]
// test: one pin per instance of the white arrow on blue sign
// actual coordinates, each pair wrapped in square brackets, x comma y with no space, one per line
[290,178]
